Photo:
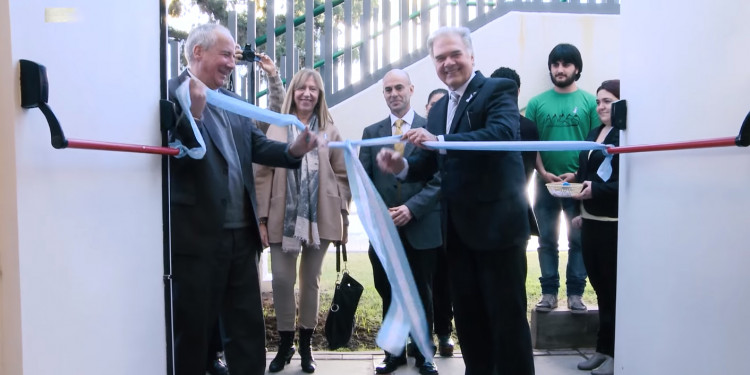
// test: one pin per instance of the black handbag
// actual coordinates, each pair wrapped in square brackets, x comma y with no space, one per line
[340,320]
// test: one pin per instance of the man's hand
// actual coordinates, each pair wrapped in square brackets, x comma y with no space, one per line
[267,64]
[197,98]
[237,53]
[549,177]
[418,136]
[390,161]
[305,142]
[577,222]
[568,177]
[401,215]
[585,193]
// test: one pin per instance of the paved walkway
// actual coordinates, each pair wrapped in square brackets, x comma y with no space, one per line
[552,362]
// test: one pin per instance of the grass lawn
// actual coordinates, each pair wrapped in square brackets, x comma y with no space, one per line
[369,312]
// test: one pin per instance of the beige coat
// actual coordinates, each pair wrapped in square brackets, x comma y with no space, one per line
[333,194]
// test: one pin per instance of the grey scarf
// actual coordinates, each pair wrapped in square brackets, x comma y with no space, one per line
[301,210]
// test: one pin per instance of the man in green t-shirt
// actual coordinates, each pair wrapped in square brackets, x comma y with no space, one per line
[564,113]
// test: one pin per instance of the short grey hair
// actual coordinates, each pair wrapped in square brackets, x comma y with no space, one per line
[462,32]
[203,36]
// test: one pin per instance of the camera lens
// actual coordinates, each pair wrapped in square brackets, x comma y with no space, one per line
[248,54]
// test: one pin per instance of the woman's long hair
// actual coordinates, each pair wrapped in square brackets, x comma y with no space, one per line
[321,108]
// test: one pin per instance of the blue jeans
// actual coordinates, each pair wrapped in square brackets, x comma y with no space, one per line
[547,210]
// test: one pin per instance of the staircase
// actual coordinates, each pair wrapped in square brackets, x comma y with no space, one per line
[354,43]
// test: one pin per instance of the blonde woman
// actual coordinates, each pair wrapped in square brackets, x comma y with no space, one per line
[301,213]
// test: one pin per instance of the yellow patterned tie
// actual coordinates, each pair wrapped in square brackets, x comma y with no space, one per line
[398,146]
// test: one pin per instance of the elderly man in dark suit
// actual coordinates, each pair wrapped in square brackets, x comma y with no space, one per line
[484,206]
[413,206]
[215,236]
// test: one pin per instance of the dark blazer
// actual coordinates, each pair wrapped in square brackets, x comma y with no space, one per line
[483,191]
[603,200]
[529,132]
[422,197]
[199,188]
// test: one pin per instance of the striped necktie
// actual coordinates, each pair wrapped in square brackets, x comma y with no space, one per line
[452,105]
[398,146]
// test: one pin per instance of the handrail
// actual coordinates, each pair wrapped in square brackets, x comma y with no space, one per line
[416,17]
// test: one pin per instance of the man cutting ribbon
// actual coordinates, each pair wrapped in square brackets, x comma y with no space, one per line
[483,206]
[215,236]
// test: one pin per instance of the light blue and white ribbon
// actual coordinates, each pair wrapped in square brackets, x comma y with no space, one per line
[248,110]
[183,97]
[604,171]
[406,314]
[230,104]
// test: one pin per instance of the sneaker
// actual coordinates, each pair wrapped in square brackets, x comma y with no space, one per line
[593,362]
[547,303]
[607,368]
[575,304]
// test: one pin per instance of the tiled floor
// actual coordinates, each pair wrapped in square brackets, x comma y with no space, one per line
[553,362]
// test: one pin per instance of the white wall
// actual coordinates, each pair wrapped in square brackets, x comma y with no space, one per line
[10,294]
[521,41]
[82,238]
[683,285]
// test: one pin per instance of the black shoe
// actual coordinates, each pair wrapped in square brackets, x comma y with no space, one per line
[445,346]
[218,367]
[285,353]
[419,358]
[307,361]
[390,364]
[428,369]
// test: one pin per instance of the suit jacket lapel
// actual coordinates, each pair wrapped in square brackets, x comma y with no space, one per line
[468,96]
[385,128]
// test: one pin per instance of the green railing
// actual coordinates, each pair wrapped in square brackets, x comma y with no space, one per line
[408,32]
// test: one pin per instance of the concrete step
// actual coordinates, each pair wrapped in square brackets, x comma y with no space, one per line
[559,328]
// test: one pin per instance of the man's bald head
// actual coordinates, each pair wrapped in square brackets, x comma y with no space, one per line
[397,90]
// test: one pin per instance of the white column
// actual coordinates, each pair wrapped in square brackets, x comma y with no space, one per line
[81,231]
[683,286]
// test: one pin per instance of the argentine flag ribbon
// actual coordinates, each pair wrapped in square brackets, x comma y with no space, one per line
[230,104]
[604,171]
[406,315]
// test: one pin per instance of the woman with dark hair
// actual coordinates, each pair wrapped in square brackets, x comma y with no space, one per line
[598,223]
[301,212]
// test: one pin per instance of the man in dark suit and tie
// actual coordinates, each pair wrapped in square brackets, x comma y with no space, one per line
[484,206]
[414,208]
[215,236]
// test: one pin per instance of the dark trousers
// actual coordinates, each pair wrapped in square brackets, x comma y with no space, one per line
[224,283]
[215,345]
[442,305]
[599,245]
[489,303]
[422,264]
